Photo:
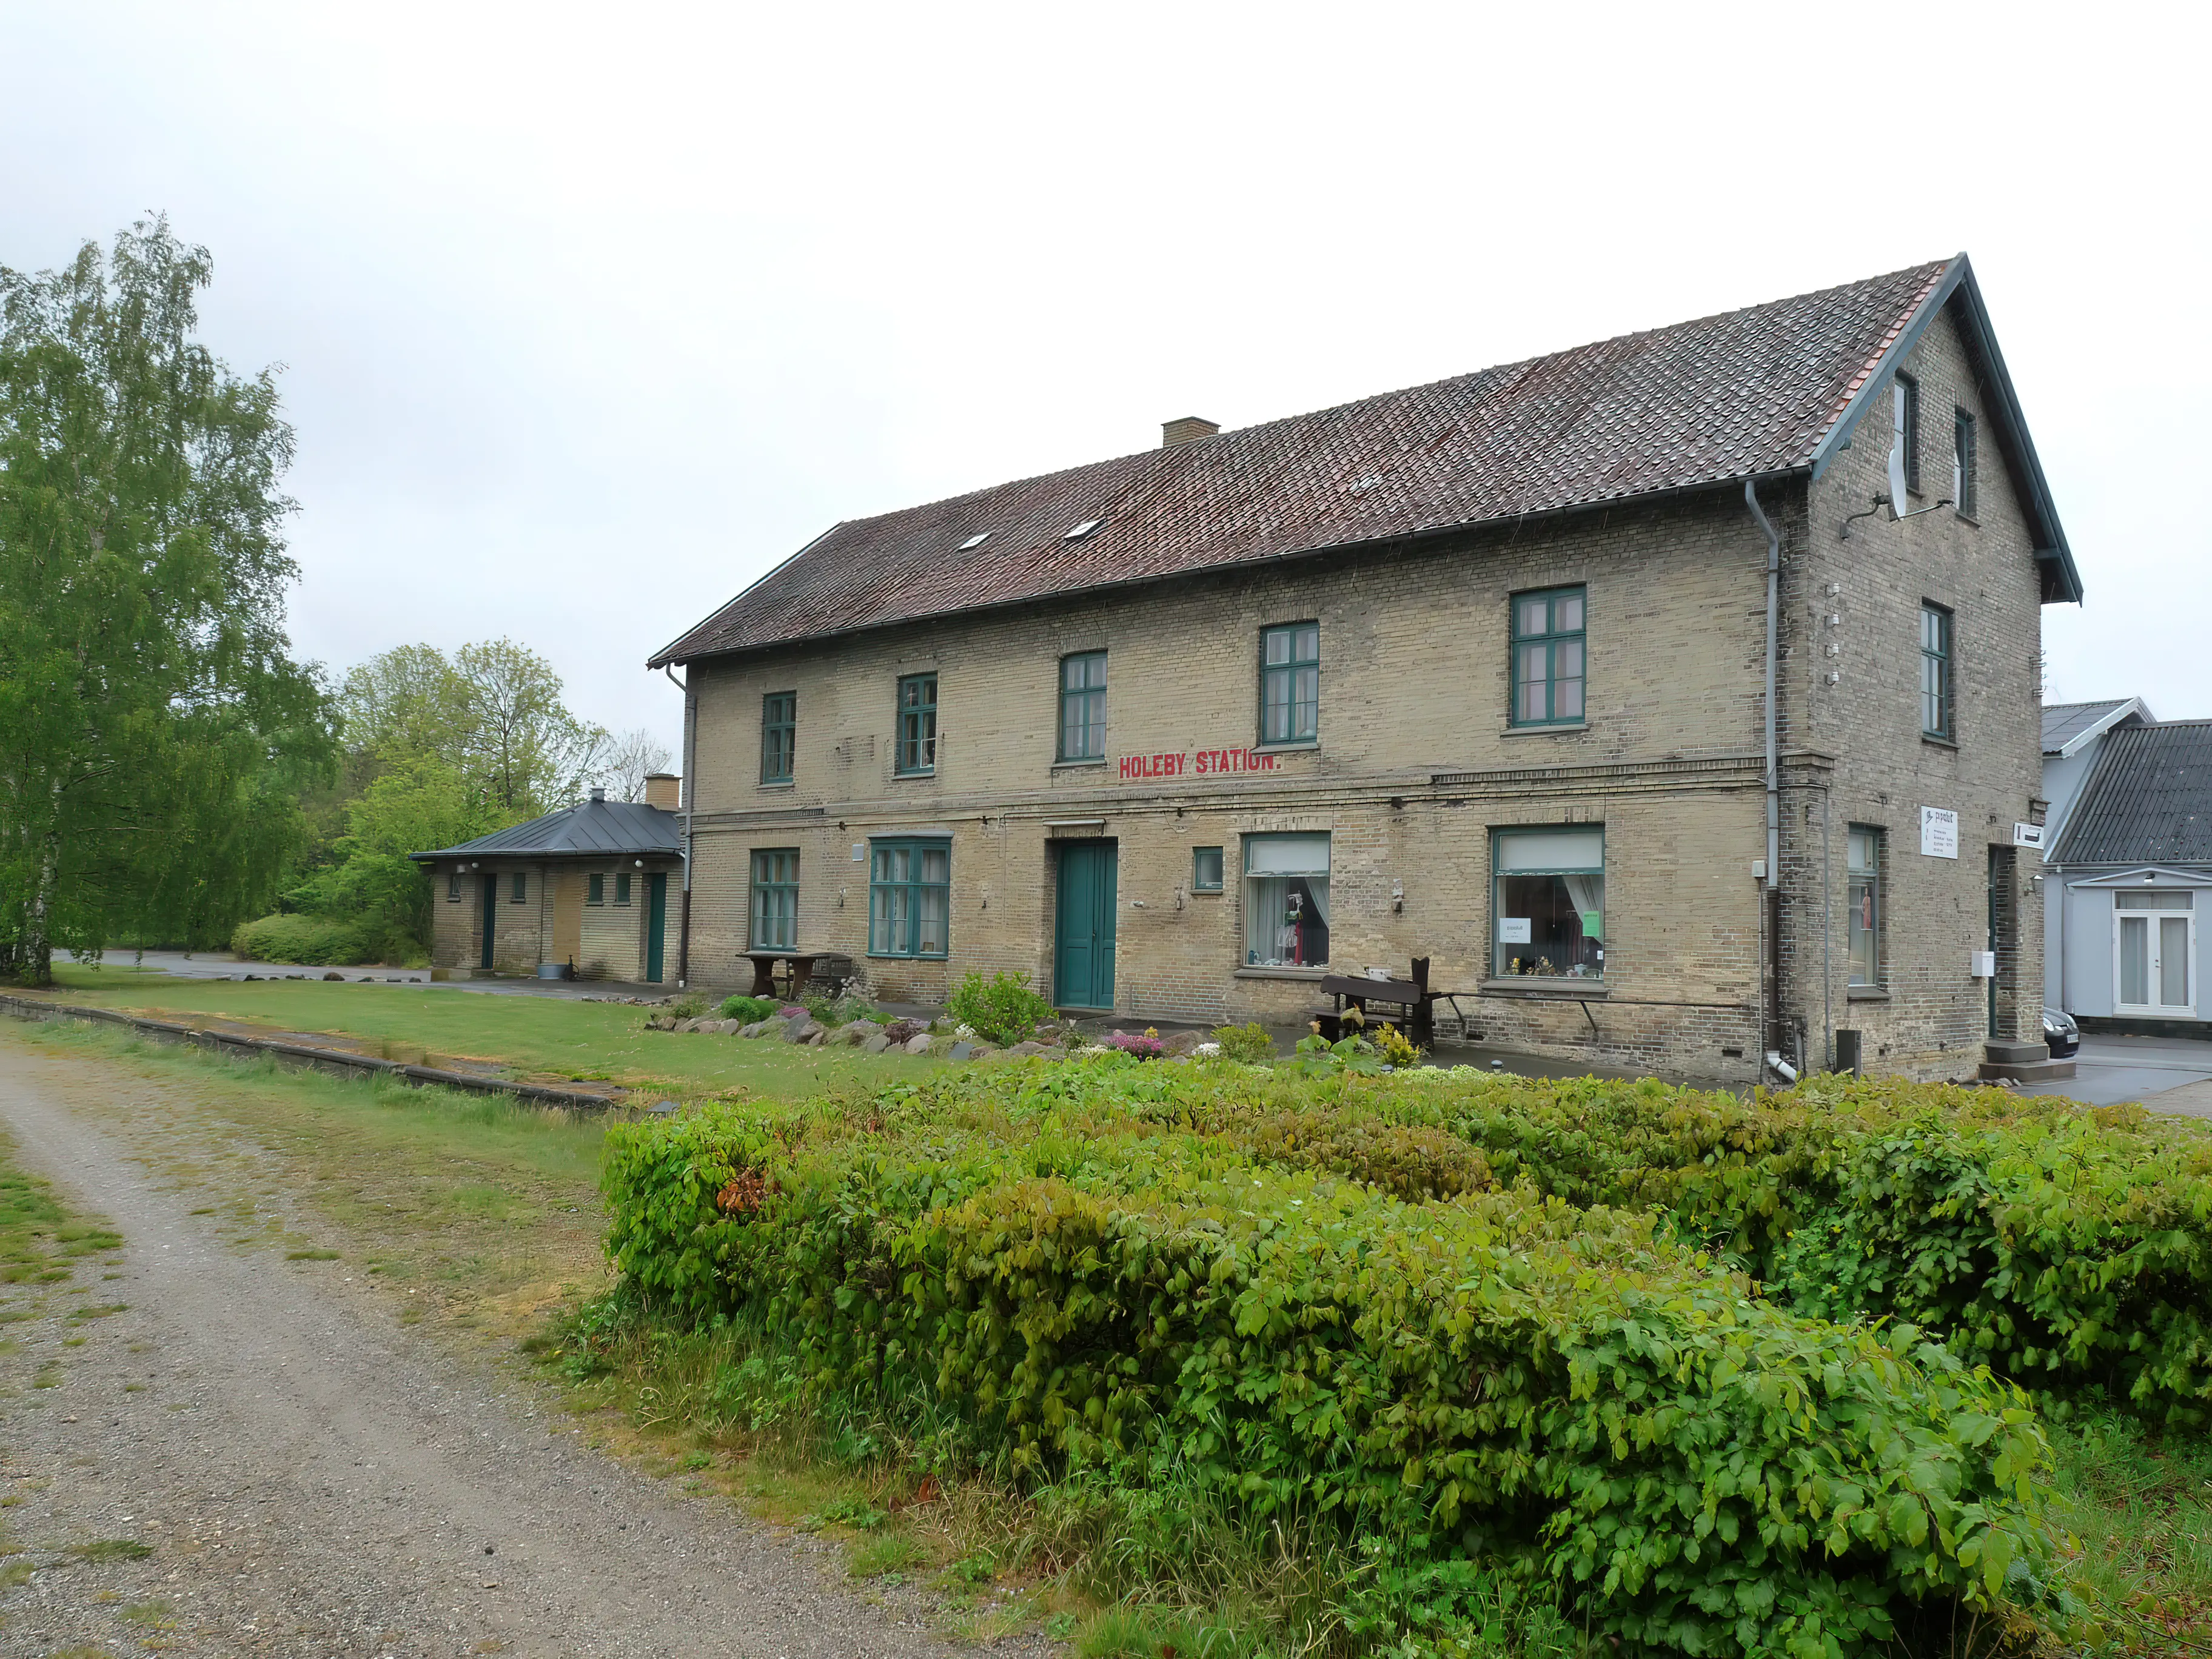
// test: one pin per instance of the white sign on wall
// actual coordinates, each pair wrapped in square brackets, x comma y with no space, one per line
[1513,930]
[2028,835]
[1939,832]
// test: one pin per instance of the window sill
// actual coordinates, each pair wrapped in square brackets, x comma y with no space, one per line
[1555,989]
[1078,765]
[1206,892]
[1533,730]
[1290,748]
[1935,742]
[1867,993]
[1308,974]
[1969,517]
[925,772]
[779,783]
[901,955]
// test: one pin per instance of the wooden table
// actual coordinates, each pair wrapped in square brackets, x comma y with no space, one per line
[802,969]
[1412,997]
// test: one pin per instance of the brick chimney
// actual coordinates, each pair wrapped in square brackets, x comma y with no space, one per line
[664,790]
[1187,430]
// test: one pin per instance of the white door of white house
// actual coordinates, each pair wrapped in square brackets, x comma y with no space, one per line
[2153,952]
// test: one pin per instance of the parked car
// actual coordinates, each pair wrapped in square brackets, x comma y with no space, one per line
[2060,1031]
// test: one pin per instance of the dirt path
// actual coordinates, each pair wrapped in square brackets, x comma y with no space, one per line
[313,1480]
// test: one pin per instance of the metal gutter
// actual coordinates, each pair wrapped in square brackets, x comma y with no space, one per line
[1769,884]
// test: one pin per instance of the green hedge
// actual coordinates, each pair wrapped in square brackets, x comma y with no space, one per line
[1496,1377]
[2068,1247]
[308,939]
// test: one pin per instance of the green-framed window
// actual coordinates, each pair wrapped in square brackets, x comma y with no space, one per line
[1083,705]
[1286,904]
[622,889]
[1206,869]
[518,888]
[1550,659]
[1937,712]
[1863,889]
[909,897]
[775,898]
[1548,902]
[1962,462]
[779,735]
[916,744]
[453,887]
[595,890]
[1289,683]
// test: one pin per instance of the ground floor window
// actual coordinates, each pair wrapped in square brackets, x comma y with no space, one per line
[1862,927]
[1287,901]
[1206,869]
[520,889]
[596,890]
[453,887]
[909,898]
[1549,902]
[622,890]
[776,899]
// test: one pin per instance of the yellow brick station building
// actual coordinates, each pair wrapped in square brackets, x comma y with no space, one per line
[1676,696]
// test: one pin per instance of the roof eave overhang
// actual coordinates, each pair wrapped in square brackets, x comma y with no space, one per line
[2138,874]
[531,855]
[1411,539]
[2061,581]
[2088,734]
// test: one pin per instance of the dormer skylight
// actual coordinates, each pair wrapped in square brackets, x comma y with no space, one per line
[975,541]
[1081,530]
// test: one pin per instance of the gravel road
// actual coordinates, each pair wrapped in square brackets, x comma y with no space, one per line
[312,1478]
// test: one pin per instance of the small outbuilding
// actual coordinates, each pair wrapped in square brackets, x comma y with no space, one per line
[585,892]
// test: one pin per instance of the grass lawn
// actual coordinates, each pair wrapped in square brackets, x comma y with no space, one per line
[538,1037]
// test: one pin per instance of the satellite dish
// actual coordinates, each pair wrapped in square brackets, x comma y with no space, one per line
[1897,476]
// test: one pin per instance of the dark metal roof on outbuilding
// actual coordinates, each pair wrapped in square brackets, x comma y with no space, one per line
[1772,390]
[593,829]
[2148,799]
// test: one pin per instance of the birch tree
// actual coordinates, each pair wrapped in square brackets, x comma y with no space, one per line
[154,729]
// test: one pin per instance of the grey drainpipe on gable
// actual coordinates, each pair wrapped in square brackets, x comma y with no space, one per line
[689,792]
[1769,887]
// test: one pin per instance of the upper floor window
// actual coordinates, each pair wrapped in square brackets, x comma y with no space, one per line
[1962,462]
[1548,657]
[909,898]
[776,899]
[1083,707]
[779,735]
[916,744]
[595,890]
[1289,683]
[1862,928]
[1935,702]
[1905,414]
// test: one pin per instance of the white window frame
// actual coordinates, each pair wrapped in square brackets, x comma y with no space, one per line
[2155,932]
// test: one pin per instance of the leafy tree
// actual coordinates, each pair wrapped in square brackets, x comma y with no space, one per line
[153,729]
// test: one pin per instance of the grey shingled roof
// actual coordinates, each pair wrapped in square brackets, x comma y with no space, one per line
[2148,799]
[594,829]
[1773,389]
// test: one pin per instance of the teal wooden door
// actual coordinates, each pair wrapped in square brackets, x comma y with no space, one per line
[656,925]
[490,892]
[1083,930]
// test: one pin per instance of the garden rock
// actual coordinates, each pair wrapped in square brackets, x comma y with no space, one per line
[1181,1042]
[804,1029]
[876,1044]
[339,977]
[918,1044]
[904,1030]
[964,1050]
[1023,1050]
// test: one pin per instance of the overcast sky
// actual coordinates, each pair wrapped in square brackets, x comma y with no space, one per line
[590,315]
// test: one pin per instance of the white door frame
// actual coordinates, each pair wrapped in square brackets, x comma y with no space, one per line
[2154,933]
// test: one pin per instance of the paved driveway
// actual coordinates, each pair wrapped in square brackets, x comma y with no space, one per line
[2168,1074]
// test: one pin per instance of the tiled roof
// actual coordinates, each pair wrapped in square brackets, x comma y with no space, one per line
[2063,722]
[1744,394]
[2148,799]
[593,829]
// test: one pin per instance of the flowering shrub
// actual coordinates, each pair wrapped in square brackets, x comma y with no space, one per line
[1146,1046]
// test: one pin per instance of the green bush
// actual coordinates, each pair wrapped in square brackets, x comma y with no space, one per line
[749,1009]
[1498,1379]
[1003,1009]
[1249,1045]
[310,940]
